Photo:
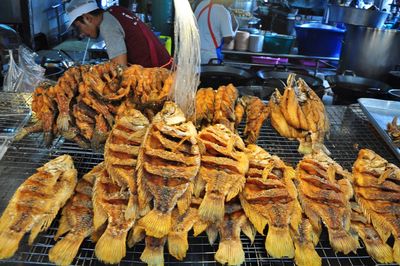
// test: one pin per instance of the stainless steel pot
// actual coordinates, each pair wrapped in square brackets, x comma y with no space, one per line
[356,16]
[370,52]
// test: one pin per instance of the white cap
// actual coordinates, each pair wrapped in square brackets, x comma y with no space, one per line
[77,8]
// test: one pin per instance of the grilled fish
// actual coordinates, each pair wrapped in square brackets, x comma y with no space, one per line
[223,166]
[377,186]
[324,193]
[224,106]
[167,164]
[110,202]
[305,239]
[270,197]
[375,246]
[76,220]
[121,152]
[36,203]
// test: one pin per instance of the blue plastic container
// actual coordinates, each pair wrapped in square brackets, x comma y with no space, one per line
[316,39]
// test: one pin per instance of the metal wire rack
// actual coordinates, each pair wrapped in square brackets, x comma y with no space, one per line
[14,113]
[350,131]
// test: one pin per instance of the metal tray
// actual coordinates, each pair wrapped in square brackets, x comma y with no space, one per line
[380,113]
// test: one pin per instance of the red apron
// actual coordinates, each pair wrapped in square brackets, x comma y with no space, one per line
[143,47]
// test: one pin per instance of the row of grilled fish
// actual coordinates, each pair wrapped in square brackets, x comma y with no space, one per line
[161,179]
[82,106]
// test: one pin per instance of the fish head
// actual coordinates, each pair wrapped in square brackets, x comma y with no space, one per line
[171,114]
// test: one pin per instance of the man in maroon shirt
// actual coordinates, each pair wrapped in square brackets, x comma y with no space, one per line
[128,40]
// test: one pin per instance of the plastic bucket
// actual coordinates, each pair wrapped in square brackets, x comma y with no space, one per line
[278,43]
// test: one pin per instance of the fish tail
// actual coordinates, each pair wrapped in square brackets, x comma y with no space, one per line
[396,251]
[65,250]
[111,247]
[212,207]
[342,241]
[9,242]
[380,251]
[279,242]
[131,209]
[156,223]
[230,252]
[305,255]
[178,244]
[153,254]
[63,121]
[136,235]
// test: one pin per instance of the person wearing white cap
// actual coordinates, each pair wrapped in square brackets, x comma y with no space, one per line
[128,40]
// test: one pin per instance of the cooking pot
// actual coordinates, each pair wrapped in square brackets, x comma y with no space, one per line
[277,79]
[351,87]
[394,94]
[393,78]
[216,74]
[262,92]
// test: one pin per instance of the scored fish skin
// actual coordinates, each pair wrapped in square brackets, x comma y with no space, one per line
[224,164]
[269,197]
[224,106]
[121,152]
[204,114]
[110,203]
[76,220]
[36,203]
[165,174]
[376,185]
[321,202]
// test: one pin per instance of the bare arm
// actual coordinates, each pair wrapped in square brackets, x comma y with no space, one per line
[120,59]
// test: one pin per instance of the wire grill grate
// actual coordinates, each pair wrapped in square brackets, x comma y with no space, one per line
[350,131]
[14,113]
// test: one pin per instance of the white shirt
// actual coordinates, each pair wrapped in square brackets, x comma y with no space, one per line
[113,35]
[221,25]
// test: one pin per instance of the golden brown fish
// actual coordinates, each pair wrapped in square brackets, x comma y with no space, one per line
[305,239]
[110,202]
[223,166]
[224,106]
[270,197]
[36,203]
[76,220]
[324,193]
[121,152]
[204,108]
[167,164]
[377,186]
[394,131]
[84,119]
[375,246]
[153,254]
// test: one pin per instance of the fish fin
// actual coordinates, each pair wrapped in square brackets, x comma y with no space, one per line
[156,223]
[63,227]
[131,208]
[65,250]
[199,227]
[98,233]
[136,235]
[99,215]
[178,244]
[212,208]
[236,188]
[212,234]
[304,146]
[279,242]
[184,201]
[111,248]
[381,226]
[255,218]
[63,122]
[249,230]
[230,252]
[380,251]
[342,241]
[396,251]
[199,185]
[153,254]
[35,231]
[9,242]
[296,216]
[305,255]
[289,173]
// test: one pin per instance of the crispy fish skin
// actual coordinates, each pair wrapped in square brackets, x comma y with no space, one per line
[256,113]
[223,168]
[166,174]
[110,202]
[36,203]
[76,220]
[269,197]
[320,202]
[204,107]
[224,106]
[376,185]
[121,152]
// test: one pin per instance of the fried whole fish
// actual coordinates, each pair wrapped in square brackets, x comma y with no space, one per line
[375,246]
[110,202]
[167,164]
[121,152]
[205,99]
[377,187]
[324,193]
[222,172]
[76,220]
[36,203]
[269,197]
[224,106]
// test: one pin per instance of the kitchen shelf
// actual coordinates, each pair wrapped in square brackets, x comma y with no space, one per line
[294,56]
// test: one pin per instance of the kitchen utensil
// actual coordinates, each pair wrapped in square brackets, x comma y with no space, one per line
[256,43]
[242,40]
